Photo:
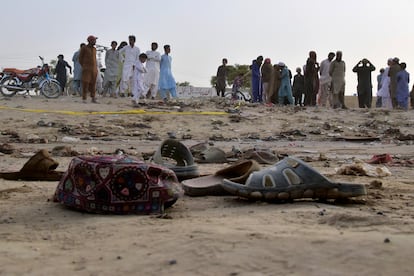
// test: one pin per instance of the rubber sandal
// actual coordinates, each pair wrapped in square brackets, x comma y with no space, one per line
[291,178]
[211,184]
[117,184]
[177,157]
[40,167]
[261,156]
[212,155]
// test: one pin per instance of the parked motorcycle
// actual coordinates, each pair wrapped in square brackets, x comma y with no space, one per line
[22,81]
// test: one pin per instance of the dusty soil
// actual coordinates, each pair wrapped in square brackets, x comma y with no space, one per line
[210,235]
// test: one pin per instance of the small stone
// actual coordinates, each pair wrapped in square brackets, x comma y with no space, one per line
[375,184]
[172,262]
[387,240]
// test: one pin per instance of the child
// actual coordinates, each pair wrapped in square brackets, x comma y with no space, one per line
[138,79]
[237,84]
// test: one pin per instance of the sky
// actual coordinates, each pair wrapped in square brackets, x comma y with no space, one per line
[201,33]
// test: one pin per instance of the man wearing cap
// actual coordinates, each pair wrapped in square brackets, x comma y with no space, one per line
[87,59]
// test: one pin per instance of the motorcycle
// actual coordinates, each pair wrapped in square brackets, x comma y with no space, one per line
[22,81]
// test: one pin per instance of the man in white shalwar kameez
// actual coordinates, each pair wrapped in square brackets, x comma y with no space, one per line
[153,70]
[384,91]
[138,79]
[131,54]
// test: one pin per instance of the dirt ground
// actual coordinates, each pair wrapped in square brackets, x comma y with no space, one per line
[372,235]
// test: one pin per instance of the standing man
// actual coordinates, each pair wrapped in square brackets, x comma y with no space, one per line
[402,93]
[256,79]
[285,90]
[61,73]
[77,72]
[337,73]
[153,70]
[325,81]
[298,87]
[111,70]
[221,78]
[311,79]
[394,69]
[167,81]
[379,80]
[87,59]
[267,78]
[363,69]
[131,56]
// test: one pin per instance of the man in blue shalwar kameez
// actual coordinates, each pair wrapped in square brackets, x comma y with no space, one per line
[256,79]
[167,81]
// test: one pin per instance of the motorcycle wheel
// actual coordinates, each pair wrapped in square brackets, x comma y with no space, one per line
[8,81]
[50,89]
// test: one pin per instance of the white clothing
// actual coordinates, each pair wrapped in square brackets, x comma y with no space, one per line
[138,80]
[153,71]
[385,84]
[384,92]
[131,56]
[324,72]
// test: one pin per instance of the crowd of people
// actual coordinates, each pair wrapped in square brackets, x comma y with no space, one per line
[323,84]
[128,72]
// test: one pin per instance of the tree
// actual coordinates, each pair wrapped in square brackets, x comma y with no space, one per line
[186,83]
[232,72]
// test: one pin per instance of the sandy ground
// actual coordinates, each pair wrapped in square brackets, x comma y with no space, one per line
[209,235]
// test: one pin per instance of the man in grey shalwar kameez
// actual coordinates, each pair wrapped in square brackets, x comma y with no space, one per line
[111,70]
[77,72]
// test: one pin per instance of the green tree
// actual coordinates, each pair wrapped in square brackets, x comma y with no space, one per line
[232,72]
[186,83]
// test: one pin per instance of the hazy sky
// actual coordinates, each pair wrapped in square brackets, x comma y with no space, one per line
[201,33]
